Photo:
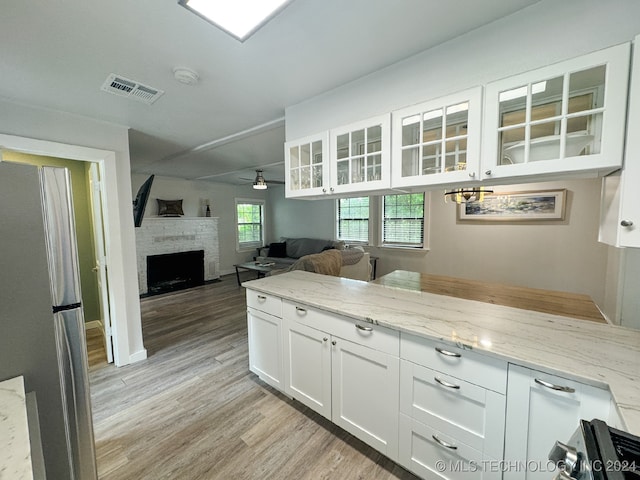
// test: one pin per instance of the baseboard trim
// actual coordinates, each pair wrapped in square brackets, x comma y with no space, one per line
[93,324]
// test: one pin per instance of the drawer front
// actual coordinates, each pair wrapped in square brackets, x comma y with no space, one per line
[424,451]
[467,412]
[265,303]
[363,333]
[483,370]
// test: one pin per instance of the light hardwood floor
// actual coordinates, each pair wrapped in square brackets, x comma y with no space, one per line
[193,410]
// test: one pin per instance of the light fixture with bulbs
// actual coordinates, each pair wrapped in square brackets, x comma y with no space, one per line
[464,195]
[259,183]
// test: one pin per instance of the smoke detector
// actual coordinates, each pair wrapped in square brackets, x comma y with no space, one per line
[186,75]
[125,87]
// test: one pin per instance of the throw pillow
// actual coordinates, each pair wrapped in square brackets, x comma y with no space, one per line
[278,250]
[170,208]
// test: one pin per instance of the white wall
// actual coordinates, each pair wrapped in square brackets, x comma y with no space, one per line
[67,129]
[222,197]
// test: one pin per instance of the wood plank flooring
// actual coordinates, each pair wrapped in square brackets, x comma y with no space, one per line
[193,410]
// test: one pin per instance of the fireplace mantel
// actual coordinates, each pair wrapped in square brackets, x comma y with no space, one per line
[159,235]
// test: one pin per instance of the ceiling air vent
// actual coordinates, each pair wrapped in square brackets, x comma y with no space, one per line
[119,85]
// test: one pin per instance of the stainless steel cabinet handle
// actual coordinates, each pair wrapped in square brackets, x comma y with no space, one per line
[333,342]
[324,190]
[446,384]
[364,329]
[331,189]
[325,339]
[558,388]
[472,174]
[444,444]
[261,297]
[487,173]
[626,223]
[447,353]
[301,310]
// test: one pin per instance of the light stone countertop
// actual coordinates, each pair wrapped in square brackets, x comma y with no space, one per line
[15,451]
[602,355]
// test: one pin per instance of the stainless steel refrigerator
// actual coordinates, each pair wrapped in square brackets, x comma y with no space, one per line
[42,333]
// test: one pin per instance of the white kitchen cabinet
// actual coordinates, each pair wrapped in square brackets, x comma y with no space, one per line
[432,454]
[541,409]
[306,163]
[364,394]
[332,366]
[360,156]
[307,359]
[265,337]
[620,209]
[437,142]
[563,118]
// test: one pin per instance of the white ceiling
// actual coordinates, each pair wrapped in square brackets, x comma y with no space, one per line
[58,53]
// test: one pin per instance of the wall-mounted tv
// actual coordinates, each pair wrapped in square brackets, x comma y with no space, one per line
[140,202]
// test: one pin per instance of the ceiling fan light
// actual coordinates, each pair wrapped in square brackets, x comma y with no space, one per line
[260,183]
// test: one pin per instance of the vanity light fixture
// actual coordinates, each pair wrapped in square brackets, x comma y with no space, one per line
[464,195]
[259,183]
[239,18]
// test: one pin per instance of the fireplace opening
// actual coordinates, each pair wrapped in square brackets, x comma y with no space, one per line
[175,271]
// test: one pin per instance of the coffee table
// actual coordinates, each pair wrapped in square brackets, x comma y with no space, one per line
[262,269]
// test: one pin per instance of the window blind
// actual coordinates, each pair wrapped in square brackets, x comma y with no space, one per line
[353,219]
[403,220]
[250,225]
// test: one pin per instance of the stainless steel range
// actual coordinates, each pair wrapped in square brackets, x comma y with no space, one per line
[597,451]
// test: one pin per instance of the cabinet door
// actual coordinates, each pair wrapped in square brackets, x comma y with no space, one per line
[365,386]
[620,209]
[308,367]
[538,415]
[567,117]
[306,165]
[265,347]
[360,155]
[437,142]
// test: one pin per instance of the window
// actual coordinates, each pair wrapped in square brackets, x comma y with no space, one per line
[403,220]
[353,220]
[250,221]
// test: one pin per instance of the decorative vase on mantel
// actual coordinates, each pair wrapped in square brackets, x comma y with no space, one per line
[208,212]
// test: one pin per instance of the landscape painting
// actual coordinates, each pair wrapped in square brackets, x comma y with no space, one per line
[515,206]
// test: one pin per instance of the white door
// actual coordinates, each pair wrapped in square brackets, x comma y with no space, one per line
[101,264]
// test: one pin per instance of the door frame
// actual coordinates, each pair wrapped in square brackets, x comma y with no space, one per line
[111,221]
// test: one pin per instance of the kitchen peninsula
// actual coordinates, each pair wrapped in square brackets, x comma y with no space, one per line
[593,365]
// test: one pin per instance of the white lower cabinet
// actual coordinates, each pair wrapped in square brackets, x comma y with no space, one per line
[265,347]
[430,454]
[353,385]
[541,409]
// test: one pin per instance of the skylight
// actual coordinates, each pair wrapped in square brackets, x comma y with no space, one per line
[240,18]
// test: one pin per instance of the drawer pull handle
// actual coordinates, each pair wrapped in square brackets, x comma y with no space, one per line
[261,297]
[325,339]
[333,342]
[444,444]
[446,384]
[301,310]
[447,353]
[364,329]
[551,386]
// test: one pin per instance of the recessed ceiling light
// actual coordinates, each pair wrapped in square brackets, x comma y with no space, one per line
[240,18]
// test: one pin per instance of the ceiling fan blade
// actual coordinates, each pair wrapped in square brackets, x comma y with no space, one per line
[279,182]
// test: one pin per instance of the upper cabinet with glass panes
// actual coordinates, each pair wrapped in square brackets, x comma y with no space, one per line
[360,156]
[437,142]
[567,117]
[306,166]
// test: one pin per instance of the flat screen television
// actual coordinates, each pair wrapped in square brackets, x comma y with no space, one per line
[140,202]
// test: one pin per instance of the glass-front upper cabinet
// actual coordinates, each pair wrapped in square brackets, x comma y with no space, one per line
[438,141]
[566,117]
[306,166]
[360,155]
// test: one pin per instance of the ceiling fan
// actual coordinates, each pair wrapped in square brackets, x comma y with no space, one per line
[259,183]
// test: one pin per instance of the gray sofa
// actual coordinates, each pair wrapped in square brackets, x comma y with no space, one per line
[290,250]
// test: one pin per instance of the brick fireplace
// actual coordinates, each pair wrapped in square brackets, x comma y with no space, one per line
[160,236]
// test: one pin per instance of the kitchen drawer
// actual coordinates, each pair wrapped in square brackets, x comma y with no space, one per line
[423,451]
[483,370]
[363,333]
[265,303]
[473,415]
